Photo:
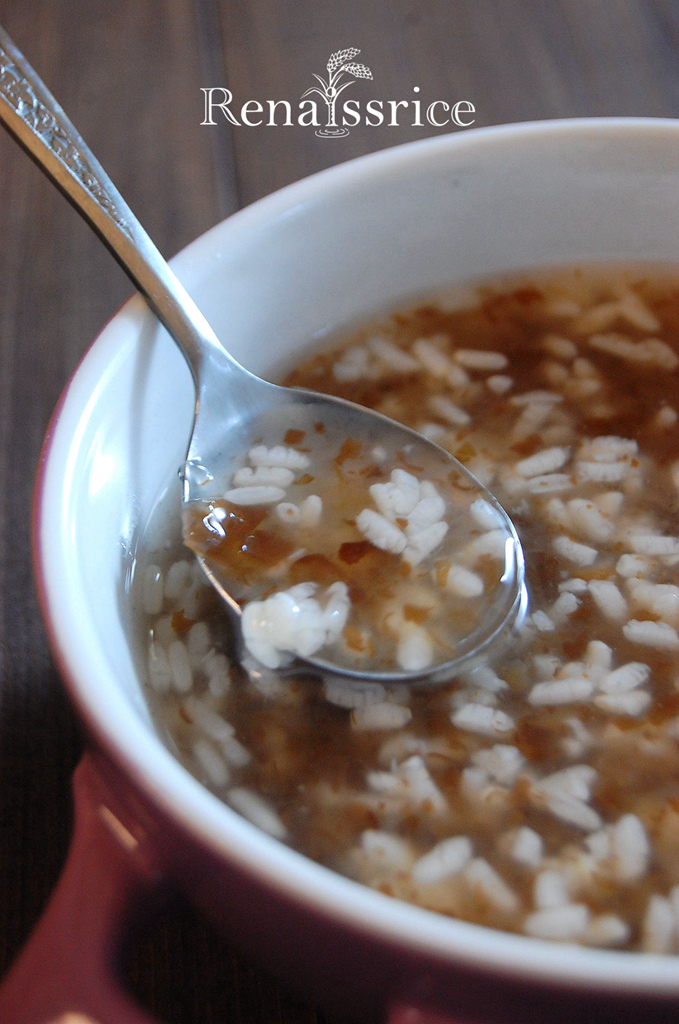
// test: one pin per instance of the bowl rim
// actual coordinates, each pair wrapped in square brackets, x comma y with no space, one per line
[163,779]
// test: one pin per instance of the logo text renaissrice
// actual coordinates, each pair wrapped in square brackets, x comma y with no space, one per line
[329,117]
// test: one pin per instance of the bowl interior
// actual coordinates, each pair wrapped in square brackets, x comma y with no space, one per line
[276,278]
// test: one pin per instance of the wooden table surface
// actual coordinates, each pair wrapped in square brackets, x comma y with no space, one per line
[129,73]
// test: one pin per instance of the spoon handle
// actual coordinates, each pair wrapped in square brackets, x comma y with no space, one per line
[31,114]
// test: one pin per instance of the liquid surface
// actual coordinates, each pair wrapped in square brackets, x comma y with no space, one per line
[538,792]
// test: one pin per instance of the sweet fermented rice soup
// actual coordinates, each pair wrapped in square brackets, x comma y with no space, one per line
[538,791]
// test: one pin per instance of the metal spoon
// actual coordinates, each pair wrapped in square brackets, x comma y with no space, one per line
[234,408]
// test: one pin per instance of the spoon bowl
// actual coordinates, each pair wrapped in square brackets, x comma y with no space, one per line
[287,409]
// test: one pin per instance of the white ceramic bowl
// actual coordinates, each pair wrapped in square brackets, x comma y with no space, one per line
[272,280]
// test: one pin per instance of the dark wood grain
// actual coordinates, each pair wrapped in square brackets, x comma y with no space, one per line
[129,74]
[516,60]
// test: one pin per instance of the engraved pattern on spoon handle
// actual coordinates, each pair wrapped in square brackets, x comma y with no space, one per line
[32,115]
[23,92]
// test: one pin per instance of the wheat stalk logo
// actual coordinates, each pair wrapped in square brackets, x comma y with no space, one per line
[340,63]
